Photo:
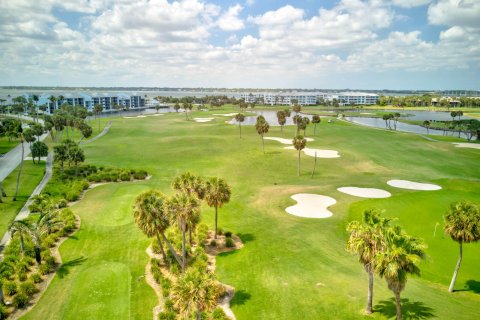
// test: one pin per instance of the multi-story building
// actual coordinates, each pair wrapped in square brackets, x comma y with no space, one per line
[349,98]
[107,100]
[302,98]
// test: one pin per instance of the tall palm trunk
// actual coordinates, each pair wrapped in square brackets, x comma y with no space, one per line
[160,244]
[369,270]
[216,220]
[19,173]
[184,246]
[457,267]
[169,245]
[299,162]
[398,303]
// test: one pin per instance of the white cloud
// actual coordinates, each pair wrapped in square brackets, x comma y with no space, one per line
[230,21]
[250,2]
[410,3]
[464,13]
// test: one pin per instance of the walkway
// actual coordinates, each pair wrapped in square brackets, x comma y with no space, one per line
[105,130]
[24,211]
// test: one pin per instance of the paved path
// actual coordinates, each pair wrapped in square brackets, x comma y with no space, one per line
[105,130]
[11,160]
[24,211]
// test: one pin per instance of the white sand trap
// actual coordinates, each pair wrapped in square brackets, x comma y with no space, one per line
[365,192]
[203,119]
[141,116]
[225,114]
[405,184]
[366,113]
[285,141]
[155,115]
[467,145]
[328,154]
[129,117]
[41,158]
[311,206]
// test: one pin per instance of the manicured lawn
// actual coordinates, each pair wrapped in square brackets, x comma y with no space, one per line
[31,175]
[290,267]
[6,145]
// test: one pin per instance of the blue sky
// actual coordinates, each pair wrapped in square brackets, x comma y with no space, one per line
[362,44]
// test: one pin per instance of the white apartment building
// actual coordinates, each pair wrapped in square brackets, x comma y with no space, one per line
[310,98]
[349,98]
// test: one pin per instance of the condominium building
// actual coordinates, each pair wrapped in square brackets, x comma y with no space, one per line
[106,100]
[349,98]
[310,98]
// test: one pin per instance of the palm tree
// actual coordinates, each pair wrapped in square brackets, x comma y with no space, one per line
[366,241]
[316,120]
[462,223]
[296,108]
[52,99]
[76,155]
[97,109]
[195,292]
[299,142]
[282,119]
[20,227]
[305,122]
[19,133]
[240,118]
[39,149]
[426,124]
[218,193]
[36,229]
[60,154]
[191,184]
[262,127]
[152,218]
[182,207]
[400,257]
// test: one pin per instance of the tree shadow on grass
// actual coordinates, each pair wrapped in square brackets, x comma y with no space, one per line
[410,310]
[246,237]
[471,285]
[64,269]
[240,297]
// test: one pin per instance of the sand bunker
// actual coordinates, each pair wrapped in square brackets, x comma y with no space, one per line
[225,114]
[36,158]
[203,119]
[405,184]
[134,117]
[285,141]
[311,205]
[365,192]
[320,153]
[467,145]
[156,115]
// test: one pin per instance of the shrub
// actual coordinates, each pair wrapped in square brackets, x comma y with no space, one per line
[72,195]
[3,312]
[124,176]
[140,175]
[36,278]
[169,305]
[62,203]
[213,243]
[229,243]
[219,314]
[44,269]
[10,287]
[23,266]
[22,275]
[220,231]
[228,234]
[28,288]
[20,300]
[167,315]
[166,284]
[50,262]
[156,246]
[175,269]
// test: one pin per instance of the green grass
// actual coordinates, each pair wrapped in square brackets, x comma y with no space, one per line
[289,266]
[31,175]
[6,145]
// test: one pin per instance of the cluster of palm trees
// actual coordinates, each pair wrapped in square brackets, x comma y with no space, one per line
[385,250]
[68,151]
[66,119]
[391,117]
[155,213]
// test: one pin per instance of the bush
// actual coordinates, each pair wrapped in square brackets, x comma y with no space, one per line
[228,234]
[220,231]
[3,312]
[213,243]
[174,269]
[20,300]
[72,195]
[62,203]
[156,247]
[44,269]
[219,314]
[22,275]
[140,175]
[23,266]
[124,176]
[166,284]
[167,315]
[169,305]
[229,243]
[50,262]
[36,278]
[10,287]
[28,288]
